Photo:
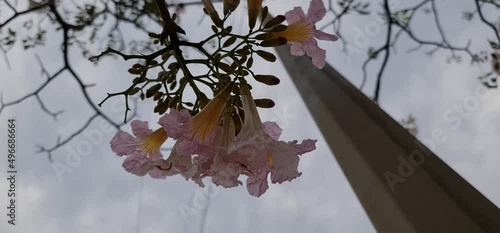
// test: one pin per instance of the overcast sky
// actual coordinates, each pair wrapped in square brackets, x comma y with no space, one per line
[99,196]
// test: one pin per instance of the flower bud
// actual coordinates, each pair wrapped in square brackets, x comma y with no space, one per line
[264,103]
[210,9]
[250,62]
[273,42]
[225,67]
[229,42]
[253,12]
[153,90]
[267,79]
[162,106]
[173,102]
[134,71]
[266,55]
[137,66]
[134,91]
[280,28]
[173,65]
[171,78]
[264,14]
[275,21]
[173,85]
[264,36]
[230,6]
[157,96]
[139,80]
[161,74]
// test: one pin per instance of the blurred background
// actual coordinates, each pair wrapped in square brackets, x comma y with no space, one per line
[69,180]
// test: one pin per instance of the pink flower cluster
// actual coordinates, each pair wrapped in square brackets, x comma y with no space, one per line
[255,152]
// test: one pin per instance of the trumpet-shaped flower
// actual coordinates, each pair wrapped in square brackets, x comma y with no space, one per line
[207,147]
[210,161]
[225,173]
[198,131]
[142,150]
[257,148]
[176,164]
[301,32]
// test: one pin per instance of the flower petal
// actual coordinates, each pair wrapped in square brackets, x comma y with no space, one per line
[224,173]
[140,128]
[176,163]
[324,36]
[295,15]
[138,164]
[228,177]
[297,49]
[187,147]
[175,122]
[203,164]
[285,162]
[316,11]
[257,184]
[166,167]
[317,54]
[156,173]
[251,152]
[272,129]
[307,145]
[123,143]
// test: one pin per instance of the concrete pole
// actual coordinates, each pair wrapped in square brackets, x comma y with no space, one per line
[401,184]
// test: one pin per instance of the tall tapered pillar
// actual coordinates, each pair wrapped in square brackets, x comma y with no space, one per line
[401,184]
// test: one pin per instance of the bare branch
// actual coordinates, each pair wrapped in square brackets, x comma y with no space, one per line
[17,14]
[386,48]
[59,143]
[480,12]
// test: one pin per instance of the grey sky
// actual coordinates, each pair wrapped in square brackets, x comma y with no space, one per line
[99,196]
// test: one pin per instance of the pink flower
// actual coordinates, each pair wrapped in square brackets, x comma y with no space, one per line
[207,146]
[176,164]
[301,32]
[257,148]
[225,173]
[257,182]
[142,150]
[210,161]
[197,131]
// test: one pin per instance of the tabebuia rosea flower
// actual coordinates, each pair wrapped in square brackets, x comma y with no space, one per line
[198,131]
[207,145]
[258,148]
[142,150]
[224,140]
[301,32]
